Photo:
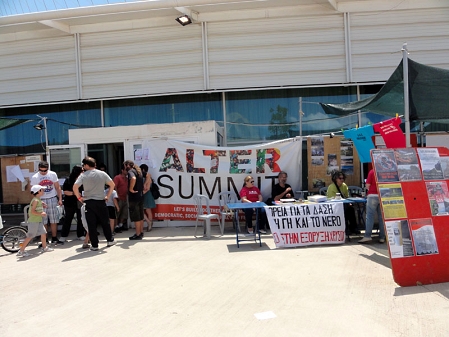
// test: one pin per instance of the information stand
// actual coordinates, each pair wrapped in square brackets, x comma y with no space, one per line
[413,185]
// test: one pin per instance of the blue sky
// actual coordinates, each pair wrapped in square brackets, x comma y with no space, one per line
[14,7]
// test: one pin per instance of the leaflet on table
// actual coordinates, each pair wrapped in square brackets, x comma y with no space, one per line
[392,200]
[438,197]
[306,224]
[430,164]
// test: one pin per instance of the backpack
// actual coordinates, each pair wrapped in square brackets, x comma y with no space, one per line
[154,189]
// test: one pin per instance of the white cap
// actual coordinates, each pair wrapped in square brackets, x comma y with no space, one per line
[36,188]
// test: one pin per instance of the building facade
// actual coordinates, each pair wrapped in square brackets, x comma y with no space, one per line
[258,68]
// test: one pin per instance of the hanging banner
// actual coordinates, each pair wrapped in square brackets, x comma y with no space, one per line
[391,132]
[184,169]
[295,225]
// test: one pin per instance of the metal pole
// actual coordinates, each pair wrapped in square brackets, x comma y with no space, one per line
[300,117]
[300,136]
[45,132]
[406,95]
[359,120]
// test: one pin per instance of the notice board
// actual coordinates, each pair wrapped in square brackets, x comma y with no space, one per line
[328,154]
[413,185]
[16,172]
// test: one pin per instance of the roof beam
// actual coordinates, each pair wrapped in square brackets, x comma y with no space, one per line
[333,3]
[57,25]
[192,14]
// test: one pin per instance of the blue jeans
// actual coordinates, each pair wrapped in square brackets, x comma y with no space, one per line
[373,206]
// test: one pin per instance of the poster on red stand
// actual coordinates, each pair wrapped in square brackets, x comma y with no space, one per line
[413,185]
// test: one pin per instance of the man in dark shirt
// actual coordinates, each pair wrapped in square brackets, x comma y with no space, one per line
[282,190]
[135,198]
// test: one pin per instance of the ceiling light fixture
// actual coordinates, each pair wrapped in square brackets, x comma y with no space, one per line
[184,20]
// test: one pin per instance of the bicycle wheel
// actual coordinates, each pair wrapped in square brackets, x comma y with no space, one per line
[12,238]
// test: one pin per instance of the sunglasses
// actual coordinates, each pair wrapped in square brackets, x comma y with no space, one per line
[43,170]
[341,178]
[252,181]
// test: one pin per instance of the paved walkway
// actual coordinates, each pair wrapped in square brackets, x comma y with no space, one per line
[172,284]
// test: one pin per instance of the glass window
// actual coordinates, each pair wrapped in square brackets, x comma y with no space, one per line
[253,116]
[24,138]
[164,109]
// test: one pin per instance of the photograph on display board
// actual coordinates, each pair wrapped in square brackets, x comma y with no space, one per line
[318,183]
[347,156]
[407,162]
[385,163]
[438,194]
[430,164]
[332,163]
[445,167]
[392,200]
[399,239]
[317,150]
[347,169]
[424,239]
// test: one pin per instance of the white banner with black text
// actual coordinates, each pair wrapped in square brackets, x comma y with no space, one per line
[295,225]
[184,169]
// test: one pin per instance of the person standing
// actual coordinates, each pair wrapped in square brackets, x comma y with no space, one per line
[135,198]
[121,186]
[52,197]
[148,201]
[372,207]
[281,189]
[113,207]
[35,225]
[250,193]
[93,182]
[71,206]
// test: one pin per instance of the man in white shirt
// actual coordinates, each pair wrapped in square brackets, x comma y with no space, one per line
[52,197]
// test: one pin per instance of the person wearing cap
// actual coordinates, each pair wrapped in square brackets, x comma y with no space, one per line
[93,182]
[35,224]
[52,197]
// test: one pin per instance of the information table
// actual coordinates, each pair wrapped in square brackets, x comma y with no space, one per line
[235,207]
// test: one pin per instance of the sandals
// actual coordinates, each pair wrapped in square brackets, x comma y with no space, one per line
[150,226]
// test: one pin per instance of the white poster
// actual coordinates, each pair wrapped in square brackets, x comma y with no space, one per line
[307,224]
[184,169]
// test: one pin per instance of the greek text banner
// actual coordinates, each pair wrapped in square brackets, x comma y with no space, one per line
[306,224]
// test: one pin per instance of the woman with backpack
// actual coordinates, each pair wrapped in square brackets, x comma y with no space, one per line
[148,201]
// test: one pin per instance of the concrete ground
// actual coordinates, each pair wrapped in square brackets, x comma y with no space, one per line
[173,284]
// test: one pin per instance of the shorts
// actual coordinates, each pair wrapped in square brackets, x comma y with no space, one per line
[111,212]
[51,210]
[122,214]
[35,229]
[136,211]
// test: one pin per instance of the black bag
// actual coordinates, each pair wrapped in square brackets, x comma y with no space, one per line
[154,189]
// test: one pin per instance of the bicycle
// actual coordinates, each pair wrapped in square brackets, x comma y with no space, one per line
[12,238]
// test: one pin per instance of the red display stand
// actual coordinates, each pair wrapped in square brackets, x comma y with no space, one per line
[413,185]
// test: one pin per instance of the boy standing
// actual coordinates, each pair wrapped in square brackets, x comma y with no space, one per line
[35,224]
[113,208]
